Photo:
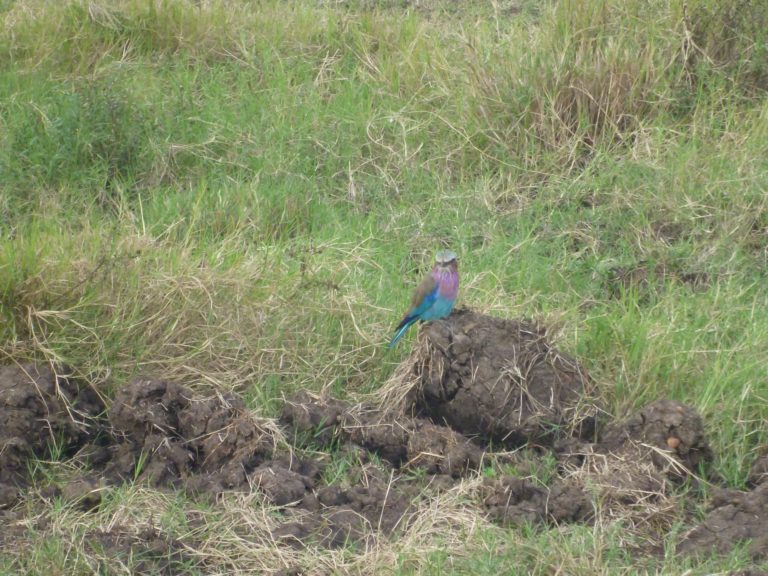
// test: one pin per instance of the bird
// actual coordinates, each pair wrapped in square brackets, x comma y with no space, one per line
[434,297]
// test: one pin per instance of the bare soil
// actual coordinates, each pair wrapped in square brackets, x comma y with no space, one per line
[171,437]
[735,517]
[512,501]
[500,380]
[481,384]
[403,441]
[40,408]
[645,277]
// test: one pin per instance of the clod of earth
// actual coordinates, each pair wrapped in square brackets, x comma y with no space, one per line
[518,501]
[500,380]
[163,433]
[211,444]
[280,484]
[40,407]
[633,468]
[401,440]
[335,515]
[672,427]
[736,517]
[667,434]
[157,431]
[312,420]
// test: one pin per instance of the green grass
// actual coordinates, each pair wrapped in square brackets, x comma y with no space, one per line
[243,195]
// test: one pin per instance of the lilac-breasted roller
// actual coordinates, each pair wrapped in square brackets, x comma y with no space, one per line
[434,297]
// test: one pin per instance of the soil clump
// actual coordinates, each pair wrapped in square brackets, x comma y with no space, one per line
[40,407]
[171,437]
[401,440]
[736,517]
[500,381]
[512,501]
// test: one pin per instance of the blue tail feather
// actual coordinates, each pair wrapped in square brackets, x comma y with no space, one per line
[402,329]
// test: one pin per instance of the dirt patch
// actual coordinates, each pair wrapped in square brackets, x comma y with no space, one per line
[403,441]
[667,428]
[426,446]
[645,277]
[285,482]
[333,516]
[512,501]
[312,419]
[369,469]
[41,406]
[633,471]
[162,433]
[736,518]
[157,431]
[170,437]
[148,551]
[499,380]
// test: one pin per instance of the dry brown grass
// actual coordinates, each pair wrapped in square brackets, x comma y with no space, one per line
[628,489]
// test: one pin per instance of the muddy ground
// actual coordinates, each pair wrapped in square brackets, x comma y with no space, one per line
[477,387]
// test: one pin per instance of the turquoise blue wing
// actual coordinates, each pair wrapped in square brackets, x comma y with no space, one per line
[424,298]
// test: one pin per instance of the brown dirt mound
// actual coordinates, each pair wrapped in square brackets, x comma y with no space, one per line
[402,441]
[512,501]
[164,434]
[500,380]
[666,434]
[736,518]
[286,481]
[161,432]
[172,437]
[40,406]
[334,515]
[158,431]
[633,470]
[673,428]
[311,419]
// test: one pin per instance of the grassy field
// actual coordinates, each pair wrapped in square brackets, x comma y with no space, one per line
[242,196]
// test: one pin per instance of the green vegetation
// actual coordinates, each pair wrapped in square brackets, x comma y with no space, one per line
[243,194]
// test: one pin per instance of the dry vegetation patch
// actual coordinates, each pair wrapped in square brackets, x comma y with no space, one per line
[359,474]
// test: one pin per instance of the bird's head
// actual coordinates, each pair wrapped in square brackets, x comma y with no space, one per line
[446,259]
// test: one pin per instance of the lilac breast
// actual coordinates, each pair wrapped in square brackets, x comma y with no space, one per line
[448,281]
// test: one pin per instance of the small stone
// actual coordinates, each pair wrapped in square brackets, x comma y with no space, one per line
[673,442]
